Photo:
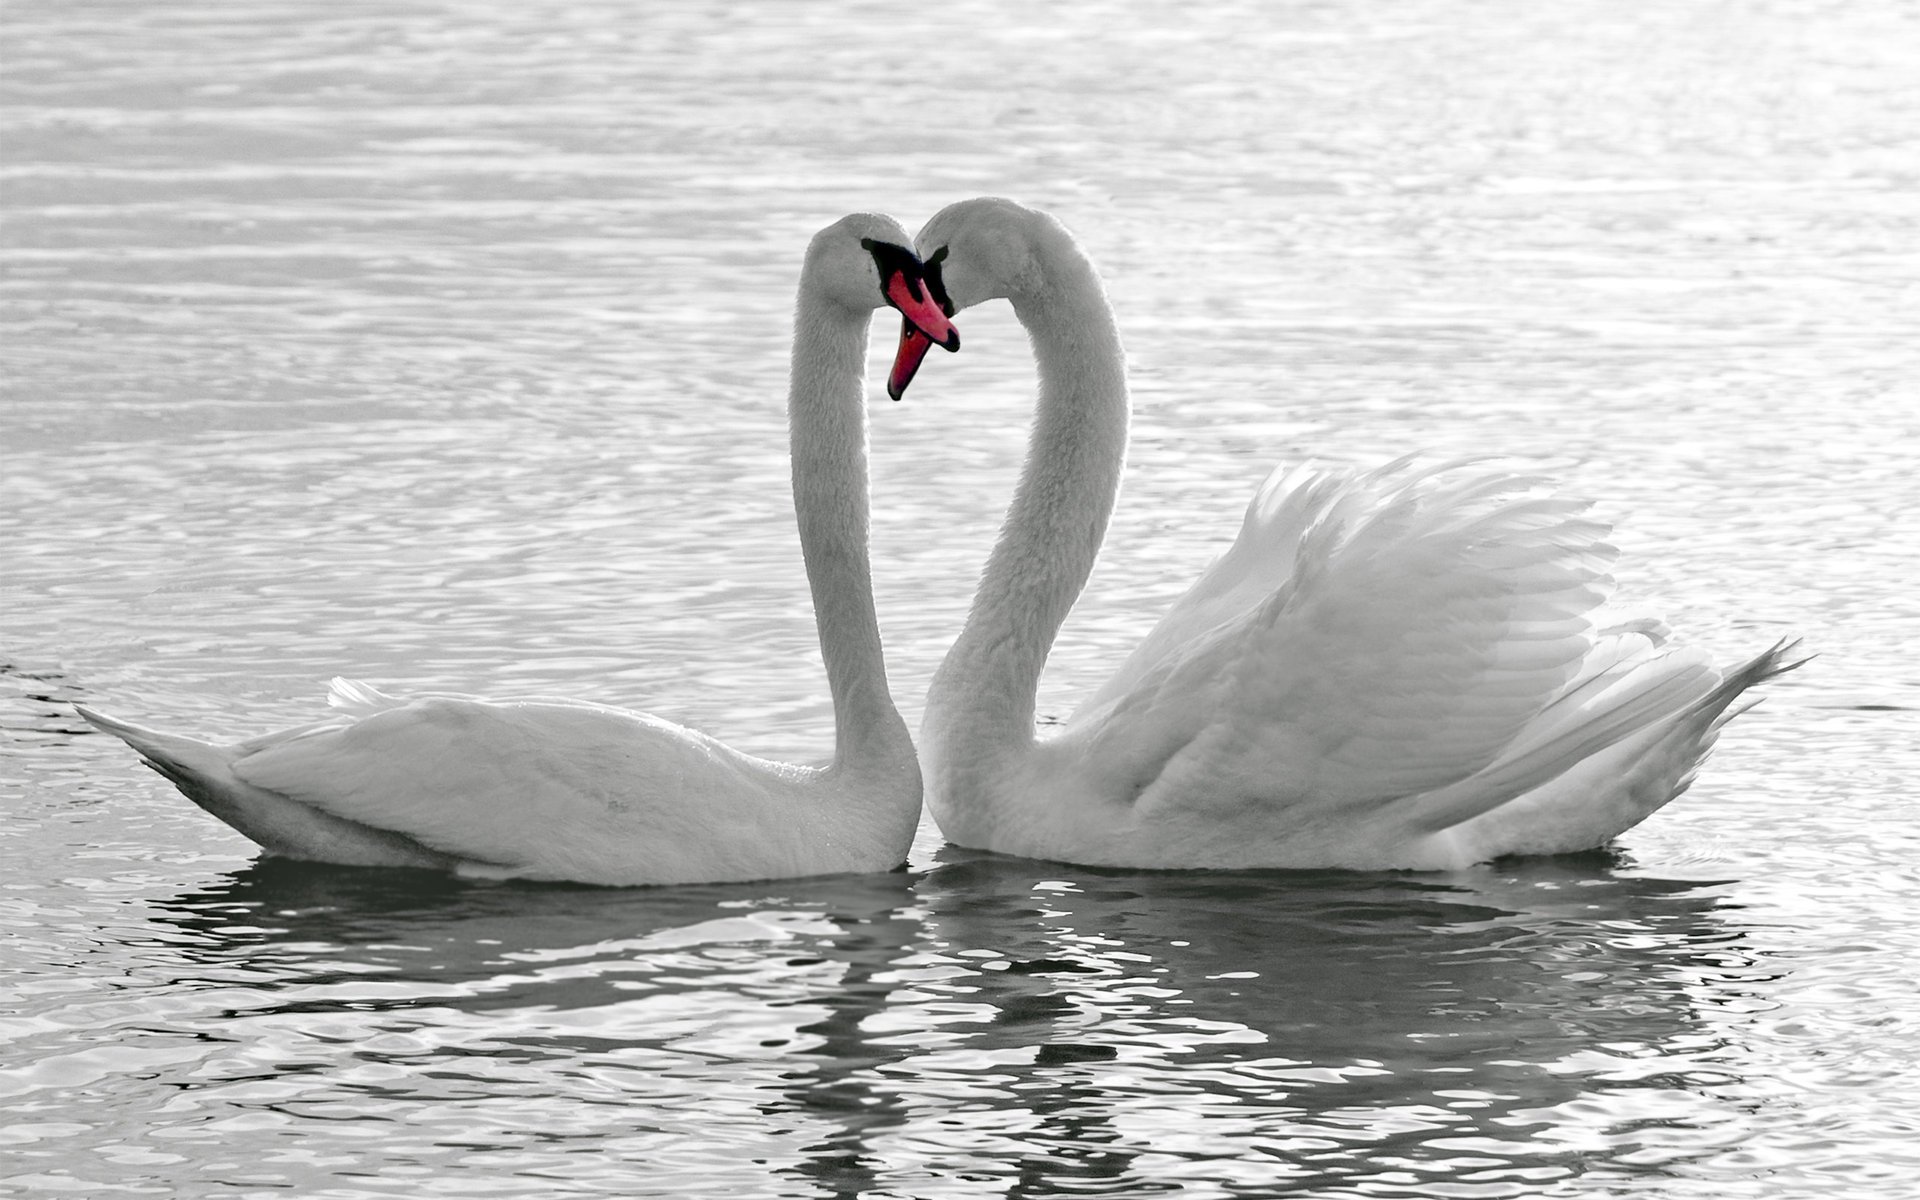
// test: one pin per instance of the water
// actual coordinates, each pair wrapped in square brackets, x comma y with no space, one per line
[443,345]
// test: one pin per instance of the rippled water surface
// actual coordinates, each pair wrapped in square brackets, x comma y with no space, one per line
[444,345]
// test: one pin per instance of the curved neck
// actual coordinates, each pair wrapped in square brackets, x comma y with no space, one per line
[827,425]
[984,692]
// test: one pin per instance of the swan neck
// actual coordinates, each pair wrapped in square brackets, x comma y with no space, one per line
[1058,517]
[827,427]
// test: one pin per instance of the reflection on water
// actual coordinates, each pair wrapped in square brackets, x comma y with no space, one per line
[1044,1027]
[443,344]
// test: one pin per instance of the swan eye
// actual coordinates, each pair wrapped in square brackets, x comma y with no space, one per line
[892,261]
[936,284]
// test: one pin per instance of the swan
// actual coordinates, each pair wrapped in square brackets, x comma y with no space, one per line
[1392,669]
[565,790]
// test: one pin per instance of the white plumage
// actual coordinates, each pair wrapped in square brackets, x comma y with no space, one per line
[563,790]
[1391,669]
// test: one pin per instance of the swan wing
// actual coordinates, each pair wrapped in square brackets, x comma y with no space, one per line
[1261,558]
[1662,708]
[1367,638]
[546,789]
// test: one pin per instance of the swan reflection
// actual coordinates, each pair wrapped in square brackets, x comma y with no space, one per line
[1081,1027]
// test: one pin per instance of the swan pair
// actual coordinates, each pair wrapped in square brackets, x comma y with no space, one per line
[1391,669]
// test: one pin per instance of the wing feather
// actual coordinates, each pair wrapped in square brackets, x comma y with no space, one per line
[521,783]
[1368,637]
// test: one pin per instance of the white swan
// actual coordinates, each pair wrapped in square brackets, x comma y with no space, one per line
[559,790]
[1393,669]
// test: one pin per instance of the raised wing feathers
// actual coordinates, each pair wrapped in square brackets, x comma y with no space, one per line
[1367,638]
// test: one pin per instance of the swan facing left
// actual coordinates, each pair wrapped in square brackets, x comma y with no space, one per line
[559,790]
[1393,669]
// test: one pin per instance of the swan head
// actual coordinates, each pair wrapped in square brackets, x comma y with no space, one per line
[846,260]
[990,248]
[987,248]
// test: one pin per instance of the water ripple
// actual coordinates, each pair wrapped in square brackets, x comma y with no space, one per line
[443,344]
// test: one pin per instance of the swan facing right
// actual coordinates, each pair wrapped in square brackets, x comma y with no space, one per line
[1396,668]
[567,790]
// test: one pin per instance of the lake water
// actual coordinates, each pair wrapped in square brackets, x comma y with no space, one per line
[443,345]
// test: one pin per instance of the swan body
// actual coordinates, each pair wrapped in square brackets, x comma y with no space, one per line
[564,790]
[1400,668]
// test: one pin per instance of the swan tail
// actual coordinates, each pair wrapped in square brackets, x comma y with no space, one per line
[1578,793]
[1769,664]
[204,773]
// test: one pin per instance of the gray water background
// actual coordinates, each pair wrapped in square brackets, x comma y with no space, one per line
[443,345]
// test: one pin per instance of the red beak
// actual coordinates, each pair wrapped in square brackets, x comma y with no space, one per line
[925,323]
[906,360]
[916,303]
[913,287]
